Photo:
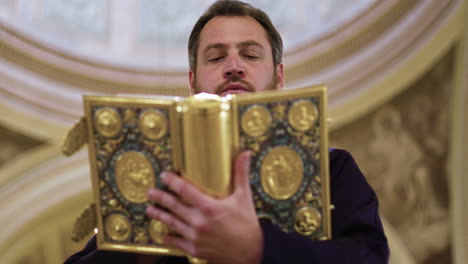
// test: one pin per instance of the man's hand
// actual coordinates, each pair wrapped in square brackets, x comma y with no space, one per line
[217,230]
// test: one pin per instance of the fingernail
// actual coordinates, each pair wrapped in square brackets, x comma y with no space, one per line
[151,192]
[164,176]
[148,210]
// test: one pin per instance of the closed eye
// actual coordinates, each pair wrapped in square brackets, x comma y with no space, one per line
[215,59]
[252,57]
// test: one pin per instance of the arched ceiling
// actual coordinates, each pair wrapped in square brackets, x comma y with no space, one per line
[52,52]
[151,35]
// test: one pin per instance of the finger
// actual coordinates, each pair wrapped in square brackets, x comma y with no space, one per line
[170,202]
[180,243]
[171,221]
[242,171]
[189,193]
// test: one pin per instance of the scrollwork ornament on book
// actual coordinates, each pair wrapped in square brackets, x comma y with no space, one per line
[131,140]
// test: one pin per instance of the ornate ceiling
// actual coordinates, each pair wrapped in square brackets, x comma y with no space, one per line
[151,35]
[53,52]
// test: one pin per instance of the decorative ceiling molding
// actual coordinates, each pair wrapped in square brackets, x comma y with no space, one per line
[55,63]
[48,83]
[349,40]
[33,54]
[438,38]
[49,62]
[144,36]
[373,48]
[43,190]
[61,178]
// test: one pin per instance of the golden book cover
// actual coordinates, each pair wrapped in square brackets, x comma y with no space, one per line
[132,140]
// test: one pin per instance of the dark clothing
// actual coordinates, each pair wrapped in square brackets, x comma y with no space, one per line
[357,233]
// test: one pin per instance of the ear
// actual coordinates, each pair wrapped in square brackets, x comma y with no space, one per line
[280,76]
[191,77]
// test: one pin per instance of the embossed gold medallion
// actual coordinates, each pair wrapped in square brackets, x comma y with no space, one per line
[302,115]
[158,231]
[107,122]
[282,172]
[117,227]
[307,220]
[153,124]
[256,120]
[134,176]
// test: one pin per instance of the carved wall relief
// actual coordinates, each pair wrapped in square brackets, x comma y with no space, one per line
[402,148]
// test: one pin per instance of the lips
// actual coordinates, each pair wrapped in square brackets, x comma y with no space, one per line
[234,88]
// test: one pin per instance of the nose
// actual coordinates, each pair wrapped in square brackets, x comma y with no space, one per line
[234,68]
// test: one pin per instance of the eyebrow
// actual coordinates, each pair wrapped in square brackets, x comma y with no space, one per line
[240,45]
[250,43]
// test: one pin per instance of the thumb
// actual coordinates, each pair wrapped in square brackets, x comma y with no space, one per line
[241,172]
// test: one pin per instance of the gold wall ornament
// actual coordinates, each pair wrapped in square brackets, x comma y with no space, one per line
[302,115]
[84,224]
[117,227]
[133,140]
[256,120]
[282,172]
[107,122]
[134,176]
[153,124]
[75,138]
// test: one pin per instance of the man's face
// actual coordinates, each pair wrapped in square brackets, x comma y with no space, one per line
[234,56]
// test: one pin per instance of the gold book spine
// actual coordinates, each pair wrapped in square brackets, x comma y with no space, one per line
[207,143]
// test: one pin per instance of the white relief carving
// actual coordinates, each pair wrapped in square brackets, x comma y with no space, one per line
[168,23]
[403,150]
[407,173]
[397,166]
[86,16]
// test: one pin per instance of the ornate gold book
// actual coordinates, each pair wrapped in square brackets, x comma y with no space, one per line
[131,141]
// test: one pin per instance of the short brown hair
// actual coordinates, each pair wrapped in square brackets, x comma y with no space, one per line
[235,8]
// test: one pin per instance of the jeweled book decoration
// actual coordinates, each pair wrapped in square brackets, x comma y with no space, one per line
[131,140]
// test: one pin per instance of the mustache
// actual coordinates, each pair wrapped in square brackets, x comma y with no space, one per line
[234,79]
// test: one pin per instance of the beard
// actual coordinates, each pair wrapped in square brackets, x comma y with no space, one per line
[272,85]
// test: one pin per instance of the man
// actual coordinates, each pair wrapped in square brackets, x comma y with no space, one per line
[234,48]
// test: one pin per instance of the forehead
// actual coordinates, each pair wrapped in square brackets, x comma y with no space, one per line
[232,30]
